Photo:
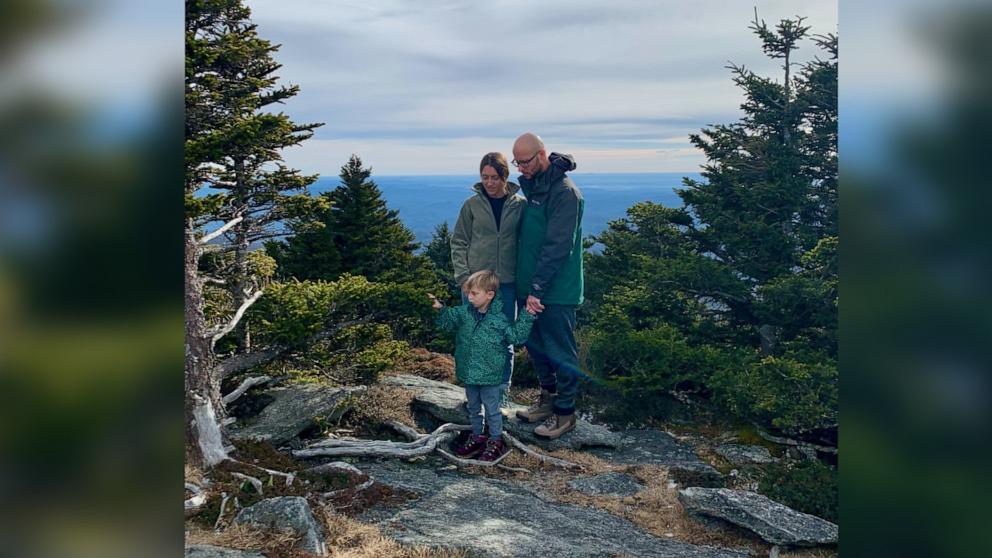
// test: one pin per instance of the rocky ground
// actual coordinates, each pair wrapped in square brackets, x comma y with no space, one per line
[638,492]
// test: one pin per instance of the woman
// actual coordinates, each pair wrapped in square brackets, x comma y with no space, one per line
[485,236]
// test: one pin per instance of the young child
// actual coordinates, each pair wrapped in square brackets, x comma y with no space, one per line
[482,333]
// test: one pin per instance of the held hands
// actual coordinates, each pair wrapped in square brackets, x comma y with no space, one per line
[437,304]
[534,305]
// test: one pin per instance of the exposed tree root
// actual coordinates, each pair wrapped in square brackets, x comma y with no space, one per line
[419,438]
[423,445]
[540,456]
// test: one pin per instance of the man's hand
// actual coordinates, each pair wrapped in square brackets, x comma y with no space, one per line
[437,303]
[534,305]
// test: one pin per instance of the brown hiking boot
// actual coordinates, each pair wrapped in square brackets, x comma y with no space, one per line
[555,426]
[541,410]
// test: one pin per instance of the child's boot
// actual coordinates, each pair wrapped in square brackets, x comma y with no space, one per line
[472,447]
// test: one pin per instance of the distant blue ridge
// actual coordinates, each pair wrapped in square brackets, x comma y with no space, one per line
[425,201]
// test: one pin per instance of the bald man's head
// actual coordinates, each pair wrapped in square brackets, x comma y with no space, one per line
[529,155]
[529,142]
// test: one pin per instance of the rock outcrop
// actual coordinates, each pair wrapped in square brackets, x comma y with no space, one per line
[293,410]
[653,447]
[495,518]
[768,519]
[287,512]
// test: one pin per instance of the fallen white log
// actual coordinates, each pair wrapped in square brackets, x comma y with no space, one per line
[383,448]
[376,449]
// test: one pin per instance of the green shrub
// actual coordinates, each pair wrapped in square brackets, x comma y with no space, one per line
[792,396]
[809,486]
[657,359]
[389,315]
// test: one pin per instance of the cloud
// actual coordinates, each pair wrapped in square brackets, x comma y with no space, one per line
[598,76]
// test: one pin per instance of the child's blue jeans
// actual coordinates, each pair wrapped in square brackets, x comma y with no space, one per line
[485,398]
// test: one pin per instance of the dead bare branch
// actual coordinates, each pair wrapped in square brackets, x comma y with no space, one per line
[254,482]
[471,462]
[245,386]
[223,504]
[217,333]
[226,227]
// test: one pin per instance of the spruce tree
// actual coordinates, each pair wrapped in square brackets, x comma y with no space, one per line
[740,283]
[360,236]
[232,148]
[438,251]
[231,83]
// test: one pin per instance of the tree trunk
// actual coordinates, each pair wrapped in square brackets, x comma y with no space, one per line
[241,281]
[203,407]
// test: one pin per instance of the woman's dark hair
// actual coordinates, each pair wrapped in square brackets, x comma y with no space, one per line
[496,161]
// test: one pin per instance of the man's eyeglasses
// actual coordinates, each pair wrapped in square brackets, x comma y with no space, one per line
[518,164]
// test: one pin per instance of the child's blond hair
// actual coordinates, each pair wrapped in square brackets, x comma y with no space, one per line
[485,280]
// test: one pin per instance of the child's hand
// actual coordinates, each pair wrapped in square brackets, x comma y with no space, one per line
[437,303]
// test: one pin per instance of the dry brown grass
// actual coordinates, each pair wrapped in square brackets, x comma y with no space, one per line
[423,363]
[271,543]
[345,537]
[349,538]
[193,475]
[379,404]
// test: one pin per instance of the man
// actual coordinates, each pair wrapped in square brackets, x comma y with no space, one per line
[549,277]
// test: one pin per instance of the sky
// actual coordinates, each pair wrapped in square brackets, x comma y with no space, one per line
[429,87]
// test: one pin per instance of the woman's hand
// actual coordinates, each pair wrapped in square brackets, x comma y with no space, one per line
[437,304]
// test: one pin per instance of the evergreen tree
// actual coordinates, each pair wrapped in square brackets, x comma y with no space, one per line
[230,82]
[231,151]
[735,292]
[438,251]
[360,236]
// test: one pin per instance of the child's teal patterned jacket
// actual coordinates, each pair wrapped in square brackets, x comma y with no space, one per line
[481,340]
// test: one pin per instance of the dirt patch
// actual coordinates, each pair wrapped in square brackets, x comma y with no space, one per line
[424,363]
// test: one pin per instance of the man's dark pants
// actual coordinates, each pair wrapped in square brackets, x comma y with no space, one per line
[555,355]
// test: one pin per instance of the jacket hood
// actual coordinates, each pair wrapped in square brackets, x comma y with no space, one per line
[511,186]
[560,164]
